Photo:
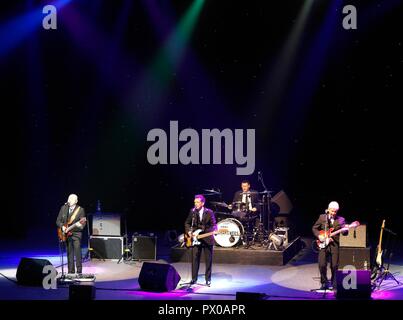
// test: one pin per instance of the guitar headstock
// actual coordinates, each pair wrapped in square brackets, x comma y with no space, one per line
[355,224]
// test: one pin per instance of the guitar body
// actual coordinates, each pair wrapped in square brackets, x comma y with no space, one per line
[324,238]
[191,241]
[63,236]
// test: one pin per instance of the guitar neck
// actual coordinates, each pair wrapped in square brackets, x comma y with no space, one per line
[380,237]
[341,230]
[201,236]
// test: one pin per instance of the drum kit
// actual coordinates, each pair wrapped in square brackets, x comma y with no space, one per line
[240,226]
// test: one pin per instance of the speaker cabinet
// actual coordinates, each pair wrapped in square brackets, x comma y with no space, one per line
[144,248]
[357,257]
[158,277]
[106,224]
[353,284]
[82,291]
[29,271]
[356,237]
[106,247]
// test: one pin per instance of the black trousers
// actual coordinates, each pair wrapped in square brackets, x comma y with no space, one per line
[208,258]
[74,251]
[332,252]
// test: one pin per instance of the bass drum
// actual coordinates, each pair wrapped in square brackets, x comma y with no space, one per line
[229,232]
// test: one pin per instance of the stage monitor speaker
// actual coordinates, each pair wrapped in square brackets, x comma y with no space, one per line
[353,284]
[356,237]
[106,247]
[82,291]
[30,271]
[144,248]
[158,277]
[357,257]
[249,296]
[281,204]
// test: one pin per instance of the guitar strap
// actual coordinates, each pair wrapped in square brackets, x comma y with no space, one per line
[73,216]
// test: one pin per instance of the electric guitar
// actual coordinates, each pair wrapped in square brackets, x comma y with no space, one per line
[63,235]
[326,237]
[379,252]
[193,240]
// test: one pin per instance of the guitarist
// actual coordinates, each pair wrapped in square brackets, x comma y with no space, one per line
[72,214]
[326,221]
[201,218]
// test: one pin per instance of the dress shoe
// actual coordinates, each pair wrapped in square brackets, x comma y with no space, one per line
[208,283]
[193,281]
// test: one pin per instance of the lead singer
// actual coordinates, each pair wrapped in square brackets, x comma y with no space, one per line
[201,218]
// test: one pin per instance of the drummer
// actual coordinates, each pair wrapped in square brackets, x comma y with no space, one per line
[246,197]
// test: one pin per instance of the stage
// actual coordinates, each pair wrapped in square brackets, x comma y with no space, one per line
[293,281]
[240,255]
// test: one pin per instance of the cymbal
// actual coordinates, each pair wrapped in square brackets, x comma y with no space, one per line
[223,213]
[219,204]
[212,191]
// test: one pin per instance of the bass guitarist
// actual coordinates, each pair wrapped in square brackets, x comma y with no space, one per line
[72,217]
[326,221]
[201,218]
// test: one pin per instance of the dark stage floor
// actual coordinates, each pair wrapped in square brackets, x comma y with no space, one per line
[293,281]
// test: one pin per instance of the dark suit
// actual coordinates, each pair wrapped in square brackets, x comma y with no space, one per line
[206,224]
[332,249]
[74,242]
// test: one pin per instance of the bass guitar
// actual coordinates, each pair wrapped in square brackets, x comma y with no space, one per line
[193,240]
[63,235]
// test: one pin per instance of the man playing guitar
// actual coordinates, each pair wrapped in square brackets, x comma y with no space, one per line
[201,218]
[331,245]
[71,221]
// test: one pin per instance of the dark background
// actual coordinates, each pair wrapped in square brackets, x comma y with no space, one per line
[78,110]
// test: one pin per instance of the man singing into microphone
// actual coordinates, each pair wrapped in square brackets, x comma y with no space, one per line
[73,215]
[201,218]
[326,221]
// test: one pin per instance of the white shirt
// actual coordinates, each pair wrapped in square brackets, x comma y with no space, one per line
[71,209]
[247,200]
[201,213]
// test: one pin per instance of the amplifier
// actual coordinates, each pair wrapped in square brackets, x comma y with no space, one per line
[282,232]
[144,247]
[356,237]
[357,257]
[106,224]
[106,247]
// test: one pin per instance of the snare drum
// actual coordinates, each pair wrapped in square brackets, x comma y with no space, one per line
[230,232]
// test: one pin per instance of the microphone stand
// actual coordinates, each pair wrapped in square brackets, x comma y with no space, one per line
[190,253]
[63,245]
[126,248]
[268,200]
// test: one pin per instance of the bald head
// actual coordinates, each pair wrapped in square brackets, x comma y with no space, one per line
[72,200]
